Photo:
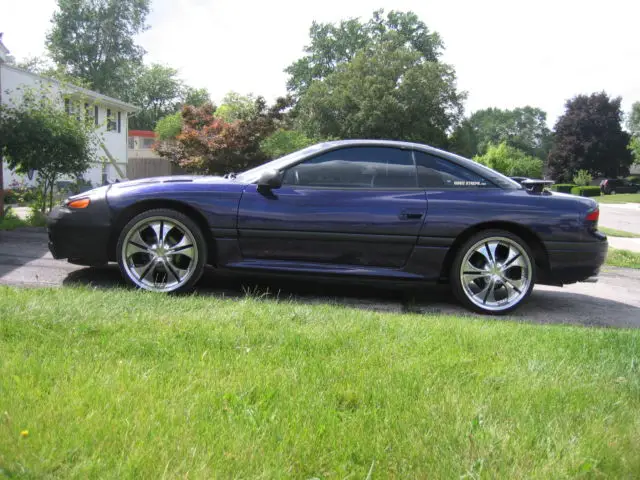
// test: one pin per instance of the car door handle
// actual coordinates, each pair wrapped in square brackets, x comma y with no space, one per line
[409,215]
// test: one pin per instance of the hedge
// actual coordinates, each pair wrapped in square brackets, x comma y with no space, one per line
[634,178]
[586,191]
[562,187]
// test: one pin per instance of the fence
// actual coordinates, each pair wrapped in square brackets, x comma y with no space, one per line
[151,167]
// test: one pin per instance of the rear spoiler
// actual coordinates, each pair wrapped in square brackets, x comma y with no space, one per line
[536,186]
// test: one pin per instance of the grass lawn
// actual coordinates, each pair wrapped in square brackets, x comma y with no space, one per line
[612,232]
[623,258]
[11,221]
[125,384]
[621,198]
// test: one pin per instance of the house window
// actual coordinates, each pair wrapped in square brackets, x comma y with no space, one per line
[95,115]
[119,121]
[111,124]
[131,143]
[67,106]
[148,142]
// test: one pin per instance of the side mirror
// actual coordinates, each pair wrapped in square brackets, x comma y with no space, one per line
[269,180]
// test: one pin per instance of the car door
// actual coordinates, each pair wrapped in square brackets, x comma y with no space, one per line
[356,206]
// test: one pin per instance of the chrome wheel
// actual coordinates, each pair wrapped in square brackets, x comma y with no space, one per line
[159,254]
[496,273]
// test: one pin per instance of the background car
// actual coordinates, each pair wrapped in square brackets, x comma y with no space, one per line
[356,210]
[611,186]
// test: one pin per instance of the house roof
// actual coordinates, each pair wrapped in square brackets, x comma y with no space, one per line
[75,91]
[142,133]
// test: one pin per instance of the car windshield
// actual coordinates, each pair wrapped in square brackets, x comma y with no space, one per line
[252,176]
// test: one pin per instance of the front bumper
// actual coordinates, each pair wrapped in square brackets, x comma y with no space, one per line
[81,236]
[572,262]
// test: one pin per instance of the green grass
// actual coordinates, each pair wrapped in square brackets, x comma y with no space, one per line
[621,198]
[612,232]
[123,384]
[623,258]
[11,221]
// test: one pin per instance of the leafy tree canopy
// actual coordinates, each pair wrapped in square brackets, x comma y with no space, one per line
[524,128]
[94,40]
[169,127]
[633,121]
[282,142]
[383,92]
[235,106]
[510,161]
[589,137]
[335,44]
[158,91]
[196,97]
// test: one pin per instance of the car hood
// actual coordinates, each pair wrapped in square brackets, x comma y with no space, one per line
[200,179]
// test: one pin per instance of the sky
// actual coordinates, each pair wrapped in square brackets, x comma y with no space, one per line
[507,53]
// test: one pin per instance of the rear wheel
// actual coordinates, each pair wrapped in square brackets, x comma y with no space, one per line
[162,251]
[493,272]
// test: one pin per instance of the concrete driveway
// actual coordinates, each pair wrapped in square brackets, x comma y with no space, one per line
[613,301]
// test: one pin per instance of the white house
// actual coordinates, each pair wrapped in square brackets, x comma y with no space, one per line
[109,114]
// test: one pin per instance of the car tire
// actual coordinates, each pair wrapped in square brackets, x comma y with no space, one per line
[162,250]
[493,272]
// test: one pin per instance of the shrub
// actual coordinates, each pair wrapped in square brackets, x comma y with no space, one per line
[634,178]
[582,178]
[562,187]
[586,191]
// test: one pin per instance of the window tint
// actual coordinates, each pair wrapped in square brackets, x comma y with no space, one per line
[435,172]
[357,167]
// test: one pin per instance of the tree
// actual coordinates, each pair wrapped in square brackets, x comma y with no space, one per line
[633,122]
[237,107]
[333,45]
[158,91]
[39,135]
[196,97]
[94,40]
[589,137]
[510,161]
[169,127]
[385,92]
[524,128]
[44,67]
[634,148]
[282,142]
[209,144]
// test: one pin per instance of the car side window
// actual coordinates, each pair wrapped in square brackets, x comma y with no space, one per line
[356,167]
[436,172]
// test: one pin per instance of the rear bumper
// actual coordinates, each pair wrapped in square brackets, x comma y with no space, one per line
[571,262]
[81,236]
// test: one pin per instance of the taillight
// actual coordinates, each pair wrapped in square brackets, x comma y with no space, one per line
[593,215]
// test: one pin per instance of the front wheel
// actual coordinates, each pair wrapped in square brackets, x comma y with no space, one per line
[162,251]
[493,272]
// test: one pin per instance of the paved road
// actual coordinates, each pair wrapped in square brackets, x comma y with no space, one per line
[625,216]
[613,301]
